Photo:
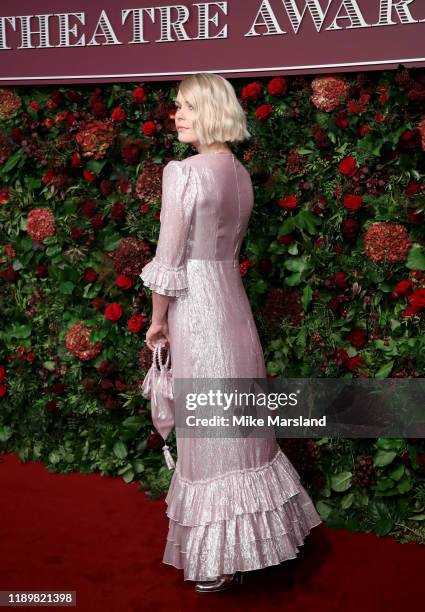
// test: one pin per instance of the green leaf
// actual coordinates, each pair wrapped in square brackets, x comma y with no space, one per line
[341,482]
[307,295]
[385,370]
[347,501]
[111,242]
[49,365]
[5,433]
[53,250]
[398,472]
[66,287]
[308,221]
[20,331]
[120,449]
[383,458]
[416,258]
[404,486]
[12,161]
[296,264]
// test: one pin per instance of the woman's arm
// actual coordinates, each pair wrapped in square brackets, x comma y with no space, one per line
[159,326]
[166,273]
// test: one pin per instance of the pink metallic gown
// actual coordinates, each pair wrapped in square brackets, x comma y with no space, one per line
[233,503]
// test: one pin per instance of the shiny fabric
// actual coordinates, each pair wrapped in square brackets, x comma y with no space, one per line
[234,504]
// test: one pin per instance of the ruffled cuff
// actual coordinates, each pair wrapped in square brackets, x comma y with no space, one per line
[163,279]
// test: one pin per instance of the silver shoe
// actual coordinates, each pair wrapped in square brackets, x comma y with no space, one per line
[223,582]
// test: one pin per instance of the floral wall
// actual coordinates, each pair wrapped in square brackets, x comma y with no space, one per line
[333,264]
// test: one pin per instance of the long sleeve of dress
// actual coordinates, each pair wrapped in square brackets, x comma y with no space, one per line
[166,272]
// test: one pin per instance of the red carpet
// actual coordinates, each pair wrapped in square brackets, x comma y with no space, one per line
[104,539]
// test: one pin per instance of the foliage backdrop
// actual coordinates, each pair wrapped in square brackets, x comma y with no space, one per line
[333,264]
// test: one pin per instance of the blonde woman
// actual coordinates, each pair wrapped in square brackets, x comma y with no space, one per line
[234,504]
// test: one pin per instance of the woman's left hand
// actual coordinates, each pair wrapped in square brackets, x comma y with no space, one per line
[155,332]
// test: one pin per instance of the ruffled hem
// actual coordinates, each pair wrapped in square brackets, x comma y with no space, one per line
[241,492]
[163,279]
[246,542]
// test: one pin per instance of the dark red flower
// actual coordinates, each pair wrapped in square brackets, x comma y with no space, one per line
[286,239]
[288,202]
[354,363]
[139,95]
[113,312]
[77,234]
[353,202]
[135,323]
[118,211]
[149,128]
[350,228]
[118,114]
[88,208]
[123,282]
[90,275]
[402,288]
[348,166]
[263,112]
[98,221]
[357,337]
[417,299]
[252,91]
[277,86]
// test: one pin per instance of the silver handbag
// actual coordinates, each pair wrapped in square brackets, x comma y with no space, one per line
[158,387]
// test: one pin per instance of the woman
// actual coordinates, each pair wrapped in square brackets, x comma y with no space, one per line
[234,505]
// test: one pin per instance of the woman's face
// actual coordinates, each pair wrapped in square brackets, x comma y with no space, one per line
[184,118]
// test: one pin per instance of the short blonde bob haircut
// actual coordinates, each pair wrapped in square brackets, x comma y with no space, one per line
[219,115]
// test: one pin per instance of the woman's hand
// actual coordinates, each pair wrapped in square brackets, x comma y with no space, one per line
[156,331]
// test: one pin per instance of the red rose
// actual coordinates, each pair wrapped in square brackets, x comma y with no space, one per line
[155,441]
[34,105]
[2,373]
[252,91]
[139,95]
[90,275]
[59,388]
[415,216]
[76,160]
[3,390]
[98,302]
[348,165]
[118,114]
[288,202]
[263,112]
[354,362]
[76,234]
[277,86]
[357,337]
[135,323]
[363,130]
[51,406]
[350,228]
[402,288]
[353,202]
[286,239]
[88,208]
[123,282]
[118,211]
[113,312]
[89,176]
[149,128]
[417,299]
[413,188]
[41,271]
[98,221]
[48,177]
[340,280]
[341,120]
